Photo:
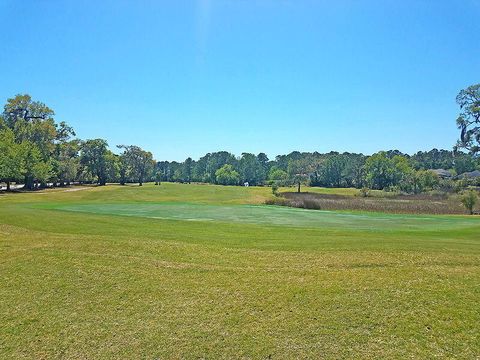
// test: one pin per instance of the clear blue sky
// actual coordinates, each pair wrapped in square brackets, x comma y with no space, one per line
[182,78]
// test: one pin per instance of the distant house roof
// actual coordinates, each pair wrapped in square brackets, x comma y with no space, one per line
[442,173]
[471,174]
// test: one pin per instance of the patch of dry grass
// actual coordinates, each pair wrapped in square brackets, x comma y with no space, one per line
[407,204]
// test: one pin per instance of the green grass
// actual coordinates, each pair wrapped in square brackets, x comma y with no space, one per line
[124,272]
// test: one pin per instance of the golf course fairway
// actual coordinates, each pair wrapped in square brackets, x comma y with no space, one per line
[204,271]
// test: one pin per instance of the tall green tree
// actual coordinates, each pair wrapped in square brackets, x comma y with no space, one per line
[333,170]
[298,172]
[468,120]
[251,169]
[463,163]
[383,172]
[354,171]
[227,175]
[12,157]
[187,170]
[139,161]
[95,157]
[33,126]
[277,175]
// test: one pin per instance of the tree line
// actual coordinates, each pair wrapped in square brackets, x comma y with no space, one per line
[383,170]
[36,150]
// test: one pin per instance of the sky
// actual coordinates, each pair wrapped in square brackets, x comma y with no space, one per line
[183,78]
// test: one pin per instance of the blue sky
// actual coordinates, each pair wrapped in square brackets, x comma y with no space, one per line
[182,78]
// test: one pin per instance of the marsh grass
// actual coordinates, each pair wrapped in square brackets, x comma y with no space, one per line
[408,204]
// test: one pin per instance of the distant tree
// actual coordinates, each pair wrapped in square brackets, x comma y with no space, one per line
[43,171]
[420,181]
[333,170]
[379,171]
[262,158]
[66,160]
[139,161]
[94,156]
[469,119]
[469,199]
[12,157]
[123,167]
[277,175]
[162,169]
[207,165]
[298,172]
[34,127]
[187,170]
[383,172]
[402,168]
[227,175]
[176,171]
[354,171]
[284,160]
[464,163]
[157,176]
[37,170]
[251,170]
[113,164]
[392,153]
[178,174]
[433,159]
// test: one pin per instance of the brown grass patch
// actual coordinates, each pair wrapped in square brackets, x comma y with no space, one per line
[410,204]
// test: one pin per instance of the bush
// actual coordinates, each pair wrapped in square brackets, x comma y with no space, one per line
[364,192]
[275,189]
[469,199]
[394,189]
[447,185]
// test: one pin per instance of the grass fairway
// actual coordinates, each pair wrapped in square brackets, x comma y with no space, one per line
[199,271]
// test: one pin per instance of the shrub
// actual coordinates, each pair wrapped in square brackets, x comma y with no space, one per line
[447,185]
[364,192]
[275,188]
[469,199]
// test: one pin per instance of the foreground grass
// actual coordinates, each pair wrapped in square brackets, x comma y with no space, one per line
[87,284]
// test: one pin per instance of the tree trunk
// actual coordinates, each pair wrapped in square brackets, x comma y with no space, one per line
[101,180]
[298,188]
[8,185]
[29,184]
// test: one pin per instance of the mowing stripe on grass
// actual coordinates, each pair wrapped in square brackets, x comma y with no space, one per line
[273,215]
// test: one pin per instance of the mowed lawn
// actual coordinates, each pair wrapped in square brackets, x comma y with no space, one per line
[202,271]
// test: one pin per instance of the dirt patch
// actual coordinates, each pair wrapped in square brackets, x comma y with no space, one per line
[76,189]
